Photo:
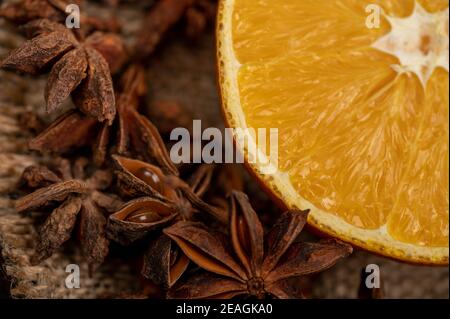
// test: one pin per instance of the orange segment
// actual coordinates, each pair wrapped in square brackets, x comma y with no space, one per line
[362,141]
[420,214]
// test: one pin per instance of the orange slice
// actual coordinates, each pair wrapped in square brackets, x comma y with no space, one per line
[358,90]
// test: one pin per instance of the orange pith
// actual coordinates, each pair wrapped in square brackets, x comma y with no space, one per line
[362,144]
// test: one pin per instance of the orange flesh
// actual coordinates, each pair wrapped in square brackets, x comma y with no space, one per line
[357,139]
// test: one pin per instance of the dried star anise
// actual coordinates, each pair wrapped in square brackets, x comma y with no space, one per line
[78,67]
[252,265]
[71,130]
[140,179]
[81,198]
[137,136]
[166,200]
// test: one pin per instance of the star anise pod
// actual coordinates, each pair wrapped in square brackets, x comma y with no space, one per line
[25,11]
[78,67]
[162,201]
[72,130]
[137,136]
[253,265]
[79,197]
[139,179]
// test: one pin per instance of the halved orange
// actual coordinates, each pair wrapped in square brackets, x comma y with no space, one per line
[359,93]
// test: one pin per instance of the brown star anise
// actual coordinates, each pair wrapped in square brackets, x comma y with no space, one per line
[137,136]
[253,265]
[166,200]
[72,130]
[80,197]
[78,67]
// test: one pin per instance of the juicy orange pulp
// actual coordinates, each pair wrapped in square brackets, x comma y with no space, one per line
[358,139]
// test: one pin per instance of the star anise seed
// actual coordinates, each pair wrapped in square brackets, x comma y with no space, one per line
[137,178]
[162,201]
[71,129]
